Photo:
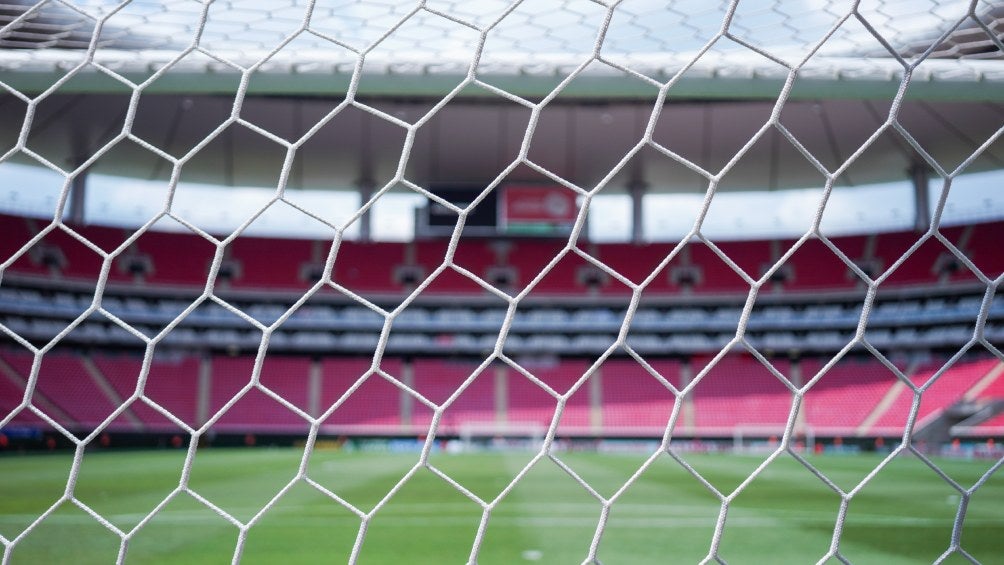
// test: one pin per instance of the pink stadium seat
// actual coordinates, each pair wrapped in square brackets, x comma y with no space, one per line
[995,389]
[10,397]
[634,402]
[475,256]
[375,407]
[76,260]
[530,404]
[947,390]
[529,259]
[109,240]
[288,377]
[815,266]
[169,266]
[81,261]
[919,267]
[16,234]
[255,410]
[739,391]
[843,397]
[717,276]
[63,381]
[636,262]
[983,248]
[851,245]
[993,423]
[173,383]
[437,380]
[270,263]
[368,267]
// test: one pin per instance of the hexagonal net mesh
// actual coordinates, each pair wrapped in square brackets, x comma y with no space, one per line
[710,380]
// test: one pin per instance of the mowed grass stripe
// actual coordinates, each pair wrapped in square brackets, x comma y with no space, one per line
[785,516]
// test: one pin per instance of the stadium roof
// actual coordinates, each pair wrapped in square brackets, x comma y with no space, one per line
[526,45]
[602,64]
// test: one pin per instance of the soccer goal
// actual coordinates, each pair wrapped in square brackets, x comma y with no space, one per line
[372,280]
[478,436]
[765,439]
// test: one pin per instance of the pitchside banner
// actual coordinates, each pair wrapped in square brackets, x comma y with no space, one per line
[537,209]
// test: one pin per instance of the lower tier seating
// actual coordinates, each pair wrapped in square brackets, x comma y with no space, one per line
[621,397]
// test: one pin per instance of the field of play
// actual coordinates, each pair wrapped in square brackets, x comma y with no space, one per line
[903,515]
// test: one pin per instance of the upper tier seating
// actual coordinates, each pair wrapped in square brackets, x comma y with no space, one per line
[394,268]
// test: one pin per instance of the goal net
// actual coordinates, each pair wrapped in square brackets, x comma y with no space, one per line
[499,128]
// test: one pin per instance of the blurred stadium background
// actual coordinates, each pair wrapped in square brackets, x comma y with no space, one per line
[781,240]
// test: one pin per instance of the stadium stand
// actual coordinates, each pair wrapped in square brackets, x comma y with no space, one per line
[949,388]
[814,266]
[270,263]
[691,309]
[263,263]
[992,424]
[169,384]
[374,406]
[636,262]
[620,399]
[369,267]
[529,403]
[438,379]
[11,393]
[634,402]
[254,410]
[994,389]
[65,382]
[739,391]
[982,247]
[188,268]
[846,394]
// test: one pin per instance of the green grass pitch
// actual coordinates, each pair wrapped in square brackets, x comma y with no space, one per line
[786,515]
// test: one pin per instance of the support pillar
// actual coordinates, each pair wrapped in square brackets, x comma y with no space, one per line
[407,401]
[920,177]
[366,183]
[314,380]
[366,220]
[637,191]
[595,384]
[205,387]
[78,194]
[73,210]
[501,394]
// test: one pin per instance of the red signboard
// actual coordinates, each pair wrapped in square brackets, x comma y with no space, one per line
[537,206]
